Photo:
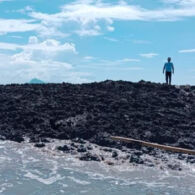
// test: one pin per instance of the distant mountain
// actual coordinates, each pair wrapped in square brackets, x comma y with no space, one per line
[36,81]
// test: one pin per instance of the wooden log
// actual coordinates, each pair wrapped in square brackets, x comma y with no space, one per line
[154,145]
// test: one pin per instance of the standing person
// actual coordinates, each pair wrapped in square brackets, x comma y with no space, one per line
[168,69]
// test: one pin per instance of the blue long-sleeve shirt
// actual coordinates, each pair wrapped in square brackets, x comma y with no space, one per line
[168,67]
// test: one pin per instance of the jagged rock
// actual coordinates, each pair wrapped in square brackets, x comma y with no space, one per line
[90,157]
[107,149]
[136,159]
[64,148]
[114,154]
[109,163]
[39,145]
[175,167]
[82,149]
[95,111]
[89,147]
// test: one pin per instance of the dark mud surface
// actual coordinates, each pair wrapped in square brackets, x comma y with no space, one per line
[147,111]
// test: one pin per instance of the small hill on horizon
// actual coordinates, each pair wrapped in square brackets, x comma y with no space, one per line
[36,81]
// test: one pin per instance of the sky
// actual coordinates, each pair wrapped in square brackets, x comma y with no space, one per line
[81,41]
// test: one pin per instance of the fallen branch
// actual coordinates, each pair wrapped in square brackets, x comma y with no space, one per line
[154,145]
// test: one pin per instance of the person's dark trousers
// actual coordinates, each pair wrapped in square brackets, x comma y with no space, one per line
[168,77]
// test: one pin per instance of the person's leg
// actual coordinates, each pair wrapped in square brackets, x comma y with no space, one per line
[166,77]
[170,78]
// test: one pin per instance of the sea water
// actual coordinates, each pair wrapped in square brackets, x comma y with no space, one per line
[25,170]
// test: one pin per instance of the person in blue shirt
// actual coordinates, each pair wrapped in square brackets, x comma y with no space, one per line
[168,69]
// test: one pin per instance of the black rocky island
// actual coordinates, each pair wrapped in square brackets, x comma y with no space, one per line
[146,111]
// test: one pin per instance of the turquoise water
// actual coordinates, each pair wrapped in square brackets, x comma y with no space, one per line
[28,170]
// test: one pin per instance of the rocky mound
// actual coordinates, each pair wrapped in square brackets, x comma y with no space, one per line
[147,111]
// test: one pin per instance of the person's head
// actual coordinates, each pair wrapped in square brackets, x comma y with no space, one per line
[169,59]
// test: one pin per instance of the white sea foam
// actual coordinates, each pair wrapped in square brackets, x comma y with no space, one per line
[46,181]
[5,186]
[78,181]
[35,169]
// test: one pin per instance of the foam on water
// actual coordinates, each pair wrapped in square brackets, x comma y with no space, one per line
[25,169]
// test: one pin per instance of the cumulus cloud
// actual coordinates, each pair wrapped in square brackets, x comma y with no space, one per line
[27,58]
[21,68]
[38,59]
[36,52]
[48,45]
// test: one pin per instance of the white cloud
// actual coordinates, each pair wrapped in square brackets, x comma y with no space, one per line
[25,10]
[50,30]
[22,67]
[42,28]
[116,62]
[187,51]
[111,39]
[180,2]
[33,40]
[39,60]
[93,18]
[110,28]
[39,53]
[88,58]
[14,25]
[87,32]
[90,13]
[129,60]
[120,63]
[49,45]
[149,55]
[26,59]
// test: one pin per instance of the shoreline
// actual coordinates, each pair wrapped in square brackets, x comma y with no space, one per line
[94,112]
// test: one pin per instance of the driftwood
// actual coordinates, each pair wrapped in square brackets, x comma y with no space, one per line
[154,145]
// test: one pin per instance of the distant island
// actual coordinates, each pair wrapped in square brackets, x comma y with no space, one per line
[36,81]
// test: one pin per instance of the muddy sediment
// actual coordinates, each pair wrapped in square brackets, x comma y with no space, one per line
[146,111]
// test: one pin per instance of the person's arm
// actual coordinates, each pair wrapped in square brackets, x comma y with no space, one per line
[164,69]
[173,68]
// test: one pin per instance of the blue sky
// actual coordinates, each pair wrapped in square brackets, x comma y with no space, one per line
[84,41]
